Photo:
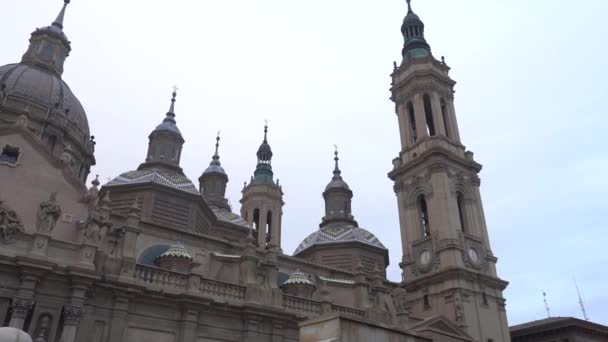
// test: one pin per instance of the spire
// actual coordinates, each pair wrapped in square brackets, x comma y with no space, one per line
[337,172]
[413,33]
[336,181]
[171,112]
[59,21]
[216,157]
[169,123]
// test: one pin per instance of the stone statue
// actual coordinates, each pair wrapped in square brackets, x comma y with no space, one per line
[10,224]
[66,157]
[96,226]
[459,310]
[48,214]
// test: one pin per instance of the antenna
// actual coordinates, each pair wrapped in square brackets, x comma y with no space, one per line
[580,301]
[546,304]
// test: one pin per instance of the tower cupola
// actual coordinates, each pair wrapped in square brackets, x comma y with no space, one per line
[263,172]
[49,46]
[413,33]
[214,180]
[166,141]
[338,198]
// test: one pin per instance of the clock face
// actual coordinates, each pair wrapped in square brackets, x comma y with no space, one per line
[425,257]
[473,255]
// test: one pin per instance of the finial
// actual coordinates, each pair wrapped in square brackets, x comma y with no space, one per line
[59,21]
[217,143]
[95,181]
[337,171]
[265,130]
[409,6]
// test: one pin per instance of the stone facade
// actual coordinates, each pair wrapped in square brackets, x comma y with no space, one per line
[151,257]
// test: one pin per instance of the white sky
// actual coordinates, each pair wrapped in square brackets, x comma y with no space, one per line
[530,104]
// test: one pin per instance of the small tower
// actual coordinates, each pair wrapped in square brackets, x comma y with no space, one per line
[338,198]
[166,141]
[298,285]
[448,265]
[176,259]
[212,183]
[340,242]
[262,202]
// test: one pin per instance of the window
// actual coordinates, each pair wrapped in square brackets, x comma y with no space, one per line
[428,113]
[424,216]
[461,212]
[268,225]
[426,302]
[256,219]
[412,119]
[10,155]
[444,115]
[484,298]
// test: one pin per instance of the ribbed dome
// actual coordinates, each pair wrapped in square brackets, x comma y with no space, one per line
[26,84]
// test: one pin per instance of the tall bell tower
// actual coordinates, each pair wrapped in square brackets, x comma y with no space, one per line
[448,265]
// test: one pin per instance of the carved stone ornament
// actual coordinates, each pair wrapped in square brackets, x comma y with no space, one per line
[459,311]
[72,314]
[48,214]
[400,300]
[10,224]
[95,227]
[21,307]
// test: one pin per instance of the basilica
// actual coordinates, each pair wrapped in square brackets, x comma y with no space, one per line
[152,255]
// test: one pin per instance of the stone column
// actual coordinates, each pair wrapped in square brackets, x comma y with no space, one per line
[71,319]
[420,117]
[24,301]
[189,326]
[20,309]
[453,121]
[118,323]
[262,227]
[403,125]
[73,312]
[440,127]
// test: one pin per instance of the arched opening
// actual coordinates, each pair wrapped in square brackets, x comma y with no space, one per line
[412,120]
[424,216]
[52,143]
[428,114]
[269,226]
[256,219]
[148,256]
[444,115]
[461,212]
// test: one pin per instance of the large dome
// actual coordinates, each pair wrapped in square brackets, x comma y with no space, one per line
[339,233]
[40,91]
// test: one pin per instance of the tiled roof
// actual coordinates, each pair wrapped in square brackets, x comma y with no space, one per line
[339,233]
[298,278]
[170,178]
[177,251]
[230,217]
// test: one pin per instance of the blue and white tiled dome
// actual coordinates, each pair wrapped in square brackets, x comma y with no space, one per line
[339,233]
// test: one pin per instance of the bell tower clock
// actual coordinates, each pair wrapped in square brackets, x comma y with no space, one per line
[448,265]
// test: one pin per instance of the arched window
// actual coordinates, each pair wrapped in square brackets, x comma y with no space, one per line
[428,113]
[461,211]
[444,115]
[256,219]
[424,216]
[268,225]
[412,119]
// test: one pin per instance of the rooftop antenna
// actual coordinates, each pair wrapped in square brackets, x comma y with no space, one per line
[580,301]
[546,304]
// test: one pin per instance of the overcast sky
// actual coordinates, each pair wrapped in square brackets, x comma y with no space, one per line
[530,102]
